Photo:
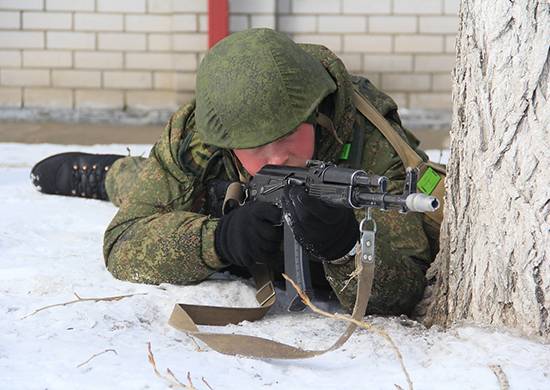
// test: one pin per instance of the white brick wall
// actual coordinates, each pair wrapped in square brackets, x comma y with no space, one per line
[112,54]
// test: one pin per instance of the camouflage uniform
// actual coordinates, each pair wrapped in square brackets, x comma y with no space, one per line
[164,233]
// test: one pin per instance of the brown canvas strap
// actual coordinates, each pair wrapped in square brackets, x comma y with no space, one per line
[186,317]
[407,154]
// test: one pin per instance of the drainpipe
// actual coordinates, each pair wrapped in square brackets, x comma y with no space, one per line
[218,21]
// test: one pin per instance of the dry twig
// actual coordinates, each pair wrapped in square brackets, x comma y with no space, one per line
[170,377]
[501,376]
[206,383]
[80,299]
[96,355]
[352,276]
[337,316]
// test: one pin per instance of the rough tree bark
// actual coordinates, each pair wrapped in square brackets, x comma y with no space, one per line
[494,265]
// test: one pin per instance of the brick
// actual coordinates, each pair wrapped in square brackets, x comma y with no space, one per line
[76,78]
[190,6]
[252,7]
[70,5]
[156,100]
[342,24]
[184,23]
[10,58]
[442,82]
[262,21]
[353,62]
[9,20]
[127,80]
[160,6]
[315,6]
[47,59]
[21,39]
[47,20]
[367,43]
[418,44]
[434,63]
[438,24]
[203,23]
[125,6]
[392,24]
[401,99]
[48,97]
[238,23]
[450,44]
[98,22]
[159,42]
[297,24]
[99,99]
[24,77]
[451,7]
[148,23]
[333,42]
[283,6]
[422,7]
[367,7]
[98,60]
[149,61]
[184,98]
[388,63]
[176,81]
[10,97]
[190,42]
[22,4]
[430,100]
[121,41]
[405,82]
[185,62]
[70,40]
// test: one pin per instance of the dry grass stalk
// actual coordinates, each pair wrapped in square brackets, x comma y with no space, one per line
[169,377]
[96,355]
[206,383]
[501,376]
[352,276]
[80,299]
[337,316]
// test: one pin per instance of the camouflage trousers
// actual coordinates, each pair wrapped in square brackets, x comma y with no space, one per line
[402,253]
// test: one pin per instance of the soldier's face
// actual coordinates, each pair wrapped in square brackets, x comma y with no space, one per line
[293,150]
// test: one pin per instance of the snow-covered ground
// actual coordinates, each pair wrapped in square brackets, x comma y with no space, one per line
[50,249]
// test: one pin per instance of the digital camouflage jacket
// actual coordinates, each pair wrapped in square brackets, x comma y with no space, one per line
[163,232]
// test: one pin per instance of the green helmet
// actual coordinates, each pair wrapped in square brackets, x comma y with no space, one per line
[255,87]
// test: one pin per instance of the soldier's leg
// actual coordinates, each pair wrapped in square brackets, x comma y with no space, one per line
[121,177]
[402,257]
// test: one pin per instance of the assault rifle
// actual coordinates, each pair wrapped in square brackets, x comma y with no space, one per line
[343,187]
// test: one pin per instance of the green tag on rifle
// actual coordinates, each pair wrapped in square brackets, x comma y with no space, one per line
[428,181]
[344,155]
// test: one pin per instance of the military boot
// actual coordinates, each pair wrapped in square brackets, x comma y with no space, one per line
[73,174]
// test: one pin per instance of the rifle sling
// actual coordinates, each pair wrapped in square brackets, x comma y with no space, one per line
[186,317]
[407,154]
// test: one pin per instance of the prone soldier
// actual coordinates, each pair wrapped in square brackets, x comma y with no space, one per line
[260,99]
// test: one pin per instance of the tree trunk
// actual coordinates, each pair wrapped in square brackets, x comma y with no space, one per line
[494,265]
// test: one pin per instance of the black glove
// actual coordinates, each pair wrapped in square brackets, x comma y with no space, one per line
[251,233]
[326,232]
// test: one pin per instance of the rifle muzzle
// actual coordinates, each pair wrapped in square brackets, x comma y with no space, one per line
[421,203]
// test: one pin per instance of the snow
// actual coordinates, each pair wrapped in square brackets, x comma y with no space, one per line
[50,249]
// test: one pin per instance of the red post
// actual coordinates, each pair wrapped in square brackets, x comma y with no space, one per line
[218,21]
